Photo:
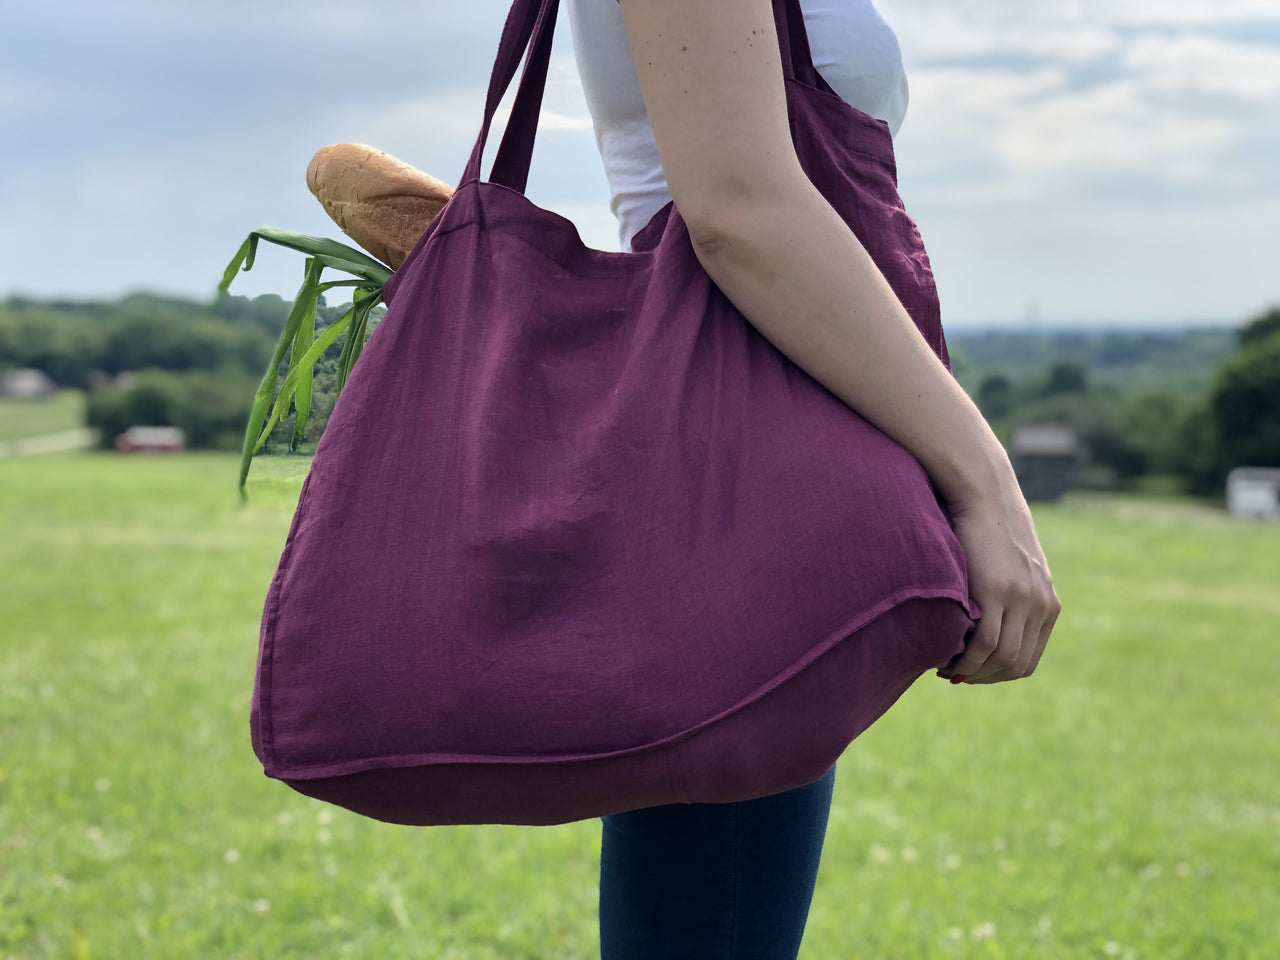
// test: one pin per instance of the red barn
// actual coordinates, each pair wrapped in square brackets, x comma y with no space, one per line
[151,439]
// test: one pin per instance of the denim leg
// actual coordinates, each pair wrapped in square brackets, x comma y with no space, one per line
[712,881]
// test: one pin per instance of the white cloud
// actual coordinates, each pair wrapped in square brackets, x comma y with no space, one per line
[1097,158]
[1007,135]
[450,115]
[1177,12]
[551,120]
[960,21]
[936,34]
[435,129]
[1109,129]
[1172,110]
[564,106]
[1193,63]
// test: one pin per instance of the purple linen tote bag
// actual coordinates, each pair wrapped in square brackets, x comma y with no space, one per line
[578,539]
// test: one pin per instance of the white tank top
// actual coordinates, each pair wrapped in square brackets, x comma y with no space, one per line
[853,48]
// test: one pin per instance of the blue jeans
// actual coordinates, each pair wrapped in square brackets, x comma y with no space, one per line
[712,881]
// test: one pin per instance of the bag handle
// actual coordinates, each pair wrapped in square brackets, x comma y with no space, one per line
[527,18]
[793,45]
[536,20]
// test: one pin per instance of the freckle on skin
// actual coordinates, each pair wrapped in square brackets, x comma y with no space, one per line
[684,48]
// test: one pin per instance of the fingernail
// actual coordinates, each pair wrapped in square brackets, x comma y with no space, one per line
[959,678]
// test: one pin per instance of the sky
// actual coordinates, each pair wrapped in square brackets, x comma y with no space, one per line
[1082,162]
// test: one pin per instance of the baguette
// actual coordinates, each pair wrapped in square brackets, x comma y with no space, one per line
[381,203]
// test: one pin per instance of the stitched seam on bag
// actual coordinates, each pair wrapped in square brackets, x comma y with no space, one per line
[440,230]
[573,263]
[266,713]
[881,158]
[842,632]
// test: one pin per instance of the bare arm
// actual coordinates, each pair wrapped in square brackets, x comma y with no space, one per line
[713,88]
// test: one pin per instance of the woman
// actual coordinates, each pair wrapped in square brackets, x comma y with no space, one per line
[697,113]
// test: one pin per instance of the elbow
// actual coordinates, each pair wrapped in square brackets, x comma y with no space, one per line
[739,211]
[710,230]
[716,225]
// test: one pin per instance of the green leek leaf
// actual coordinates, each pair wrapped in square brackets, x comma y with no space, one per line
[272,400]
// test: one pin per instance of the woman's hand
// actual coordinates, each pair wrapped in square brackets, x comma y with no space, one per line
[1009,579]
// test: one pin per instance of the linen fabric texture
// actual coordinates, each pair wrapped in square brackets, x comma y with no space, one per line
[578,539]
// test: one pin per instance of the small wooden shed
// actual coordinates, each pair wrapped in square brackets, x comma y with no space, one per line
[1254,492]
[1044,457]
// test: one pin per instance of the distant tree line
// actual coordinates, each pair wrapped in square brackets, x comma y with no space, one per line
[69,341]
[155,360]
[1194,426]
[1128,359]
[1188,405]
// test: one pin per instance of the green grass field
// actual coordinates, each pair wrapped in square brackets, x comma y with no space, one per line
[1124,802]
[60,411]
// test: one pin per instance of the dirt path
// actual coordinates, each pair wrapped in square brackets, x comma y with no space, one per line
[49,443]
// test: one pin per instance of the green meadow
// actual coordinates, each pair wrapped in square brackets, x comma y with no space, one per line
[59,411]
[1123,802]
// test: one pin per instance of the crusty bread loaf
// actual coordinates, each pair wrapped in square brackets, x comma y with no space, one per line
[380,202]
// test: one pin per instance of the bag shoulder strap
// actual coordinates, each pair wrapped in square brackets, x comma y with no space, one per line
[535,20]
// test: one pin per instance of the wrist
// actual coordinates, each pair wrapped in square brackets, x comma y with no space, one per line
[976,476]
